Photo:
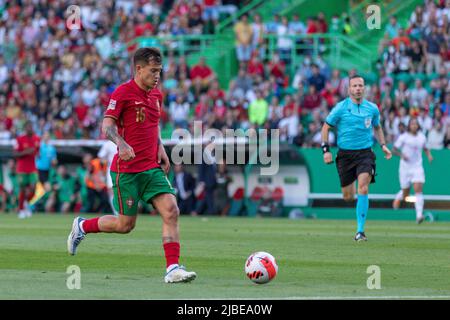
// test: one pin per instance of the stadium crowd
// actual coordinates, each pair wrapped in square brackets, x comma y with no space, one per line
[61,80]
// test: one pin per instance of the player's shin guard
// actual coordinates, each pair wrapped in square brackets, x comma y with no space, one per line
[419,205]
[362,206]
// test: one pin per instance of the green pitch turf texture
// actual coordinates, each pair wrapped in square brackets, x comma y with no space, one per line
[317,259]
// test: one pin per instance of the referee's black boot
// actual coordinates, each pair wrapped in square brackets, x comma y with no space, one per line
[360,236]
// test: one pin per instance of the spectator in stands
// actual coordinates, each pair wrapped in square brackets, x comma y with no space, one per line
[62,197]
[258,110]
[418,95]
[401,38]
[329,95]
[431,45]
[425,121]
[221,195]
[417,57]
[242,85]
[184,184]
[210,14]
[258,42]
[390,129]
[297,28]
[95,179]
[289,124]
[215,92]
[313,100]
[299,139]
[272,26]
[401,93]
[445,106]
[322,23]
[255,68]
[46,160]
[436,136]
[285,43]
[244,34]
[417,17]
[207,184]
[195,21]
[277,68]
[179,111]
[316,79]
[201,76]
[393,27]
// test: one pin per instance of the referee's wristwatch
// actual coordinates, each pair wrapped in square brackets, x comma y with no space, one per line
[325,147]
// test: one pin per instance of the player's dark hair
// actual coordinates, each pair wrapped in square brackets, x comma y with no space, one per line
[145,55]
[409,124]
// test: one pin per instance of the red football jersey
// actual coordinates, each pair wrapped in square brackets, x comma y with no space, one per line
[137,114]
[27,164]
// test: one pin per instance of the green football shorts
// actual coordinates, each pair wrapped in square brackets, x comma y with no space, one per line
[129,188]
[27,179]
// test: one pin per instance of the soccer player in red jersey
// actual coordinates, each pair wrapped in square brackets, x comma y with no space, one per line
[25,150]
[139,169]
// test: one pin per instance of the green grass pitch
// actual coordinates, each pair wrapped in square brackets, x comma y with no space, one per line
[317,259]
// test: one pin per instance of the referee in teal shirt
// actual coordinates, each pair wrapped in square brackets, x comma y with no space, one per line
[354,119]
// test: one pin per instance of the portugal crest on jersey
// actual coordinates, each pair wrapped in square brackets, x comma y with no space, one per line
[130,202]
[368,122]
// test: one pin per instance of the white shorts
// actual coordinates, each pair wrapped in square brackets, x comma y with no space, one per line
[409,175]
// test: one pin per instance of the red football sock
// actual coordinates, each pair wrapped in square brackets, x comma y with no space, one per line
[172,252]
[21,199]
[91,225]
[30,194]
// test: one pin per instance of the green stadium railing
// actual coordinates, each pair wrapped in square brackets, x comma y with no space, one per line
[335,48]
[338,50]
[265,8]
[223,25]
[358,17]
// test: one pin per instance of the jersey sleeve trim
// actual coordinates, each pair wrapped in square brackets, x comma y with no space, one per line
[110,116]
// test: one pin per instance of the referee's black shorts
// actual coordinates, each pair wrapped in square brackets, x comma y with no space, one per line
[351,163]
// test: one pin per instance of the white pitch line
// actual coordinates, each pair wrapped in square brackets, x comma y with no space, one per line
[331,298]
[365,297]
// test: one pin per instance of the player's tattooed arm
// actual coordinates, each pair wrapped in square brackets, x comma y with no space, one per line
[109,128]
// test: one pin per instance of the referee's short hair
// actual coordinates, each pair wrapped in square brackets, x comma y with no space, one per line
[354,77]
[145,55]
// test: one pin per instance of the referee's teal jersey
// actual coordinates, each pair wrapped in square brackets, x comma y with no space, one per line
[354,123]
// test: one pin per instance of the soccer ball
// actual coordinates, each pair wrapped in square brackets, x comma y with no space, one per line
[261,267]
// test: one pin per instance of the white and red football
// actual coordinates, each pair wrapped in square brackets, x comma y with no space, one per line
[261,267]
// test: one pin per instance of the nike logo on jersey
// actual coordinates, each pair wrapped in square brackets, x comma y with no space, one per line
[138,102]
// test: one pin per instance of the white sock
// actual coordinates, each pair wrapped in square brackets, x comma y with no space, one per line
[419,205]
[171,267]
[81,226]
[399,195]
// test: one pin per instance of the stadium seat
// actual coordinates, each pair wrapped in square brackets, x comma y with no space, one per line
[278,194]
[237,202]
[277,197]
[255,201]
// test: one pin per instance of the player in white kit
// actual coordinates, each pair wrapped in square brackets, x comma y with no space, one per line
[106,153]
[408,147]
